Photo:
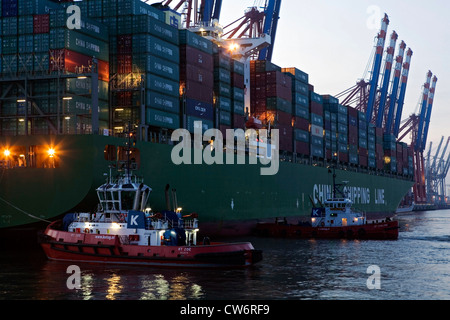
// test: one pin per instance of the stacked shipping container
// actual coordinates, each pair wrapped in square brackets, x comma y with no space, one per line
[35,42]
[238,97]
[197,79]
[271,99]
[223,91]
[150,62]
[317,124]
[300,109]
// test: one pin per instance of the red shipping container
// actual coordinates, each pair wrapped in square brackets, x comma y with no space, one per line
[258,93]
[192,73]
[193,56]
[380,164]
[41,23]
[223,129]
[195,90]
[74,62]
[316,108]
[286,138]
[353,135]
[363,160]
[125,44]
[301,123]
[123,99]
[302,148]
[390,153]
[258,105]
[363,152]
[379,132]
[379,148]
[237,81]
[352,112]
[238,121]
[279,78]
[280,91]
[259,78]
[124,63]
[343,157]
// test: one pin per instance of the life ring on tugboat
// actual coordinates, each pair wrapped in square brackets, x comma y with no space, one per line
[87,230]
[322,224]
[123,217]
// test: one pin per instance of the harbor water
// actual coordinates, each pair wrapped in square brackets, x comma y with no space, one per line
[415,267]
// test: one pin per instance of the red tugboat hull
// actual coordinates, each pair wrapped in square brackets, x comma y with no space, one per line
[108,249]
[376,231]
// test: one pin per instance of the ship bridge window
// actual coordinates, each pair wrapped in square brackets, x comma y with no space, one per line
[128,200]
[135,158]
[110,153]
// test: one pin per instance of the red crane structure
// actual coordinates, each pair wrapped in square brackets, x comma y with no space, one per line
[416,125]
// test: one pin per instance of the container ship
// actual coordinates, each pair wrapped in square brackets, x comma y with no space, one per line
[69,96]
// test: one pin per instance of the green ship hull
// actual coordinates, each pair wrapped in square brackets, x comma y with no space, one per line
[230,199]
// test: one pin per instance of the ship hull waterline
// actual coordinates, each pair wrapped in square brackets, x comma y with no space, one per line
[230,199]
[387,230]
[107,249]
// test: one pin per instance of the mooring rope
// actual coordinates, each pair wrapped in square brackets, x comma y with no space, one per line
[22,211]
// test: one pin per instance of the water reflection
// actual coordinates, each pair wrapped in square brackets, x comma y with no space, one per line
[416,266]
[114,287]
[138,284]
[118,283]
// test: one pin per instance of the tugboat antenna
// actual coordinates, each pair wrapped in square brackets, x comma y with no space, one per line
[128,152]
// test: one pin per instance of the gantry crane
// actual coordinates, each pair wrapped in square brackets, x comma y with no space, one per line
[431,171]
[386,79]
[383,106]
[253,36]
[401,98]
[381,38]
[197,15]
[394,91]
[416,125]
[436,175]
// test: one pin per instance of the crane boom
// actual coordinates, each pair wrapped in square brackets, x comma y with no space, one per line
[429,110]
[381,38]
[423,111]
[446,166]
[395,87]
[401,98]
[433,165]
[386,79]
[272,13]
[441,159]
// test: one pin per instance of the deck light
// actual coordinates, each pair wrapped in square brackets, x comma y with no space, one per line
[7,153]
[51,152]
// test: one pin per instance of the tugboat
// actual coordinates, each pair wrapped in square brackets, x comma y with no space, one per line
[334,219]
[125,231]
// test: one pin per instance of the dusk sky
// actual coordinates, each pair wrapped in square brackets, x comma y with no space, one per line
[333,41]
